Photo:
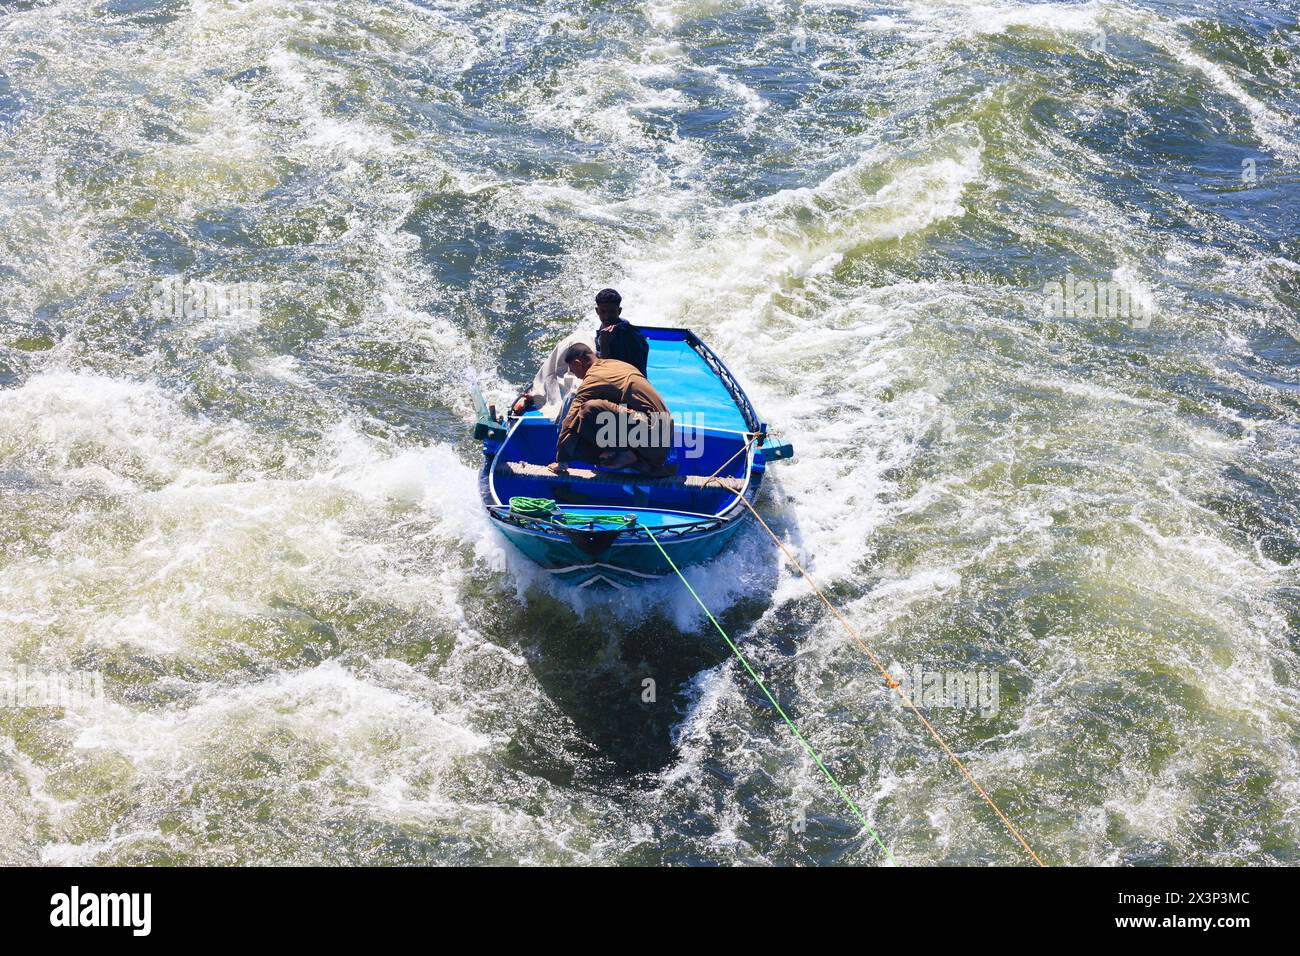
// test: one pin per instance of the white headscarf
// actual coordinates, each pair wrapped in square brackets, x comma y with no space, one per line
[554,384]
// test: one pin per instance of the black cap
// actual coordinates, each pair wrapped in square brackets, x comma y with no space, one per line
[608,296]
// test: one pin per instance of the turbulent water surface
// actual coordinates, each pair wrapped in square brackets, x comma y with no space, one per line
[257,520]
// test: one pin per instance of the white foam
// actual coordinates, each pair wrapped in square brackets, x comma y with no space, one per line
[1274,131]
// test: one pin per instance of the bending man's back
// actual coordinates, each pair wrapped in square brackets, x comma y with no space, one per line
[617,418]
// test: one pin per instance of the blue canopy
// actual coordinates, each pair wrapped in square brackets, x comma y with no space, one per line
[686,382]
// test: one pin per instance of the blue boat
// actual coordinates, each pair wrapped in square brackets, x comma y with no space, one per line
[597,533]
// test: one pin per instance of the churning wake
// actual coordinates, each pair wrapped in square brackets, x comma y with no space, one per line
[256,520]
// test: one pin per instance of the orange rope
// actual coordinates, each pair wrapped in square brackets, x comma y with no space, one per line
[891,682]
[743,449]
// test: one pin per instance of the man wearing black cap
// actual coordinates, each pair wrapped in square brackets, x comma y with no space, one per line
[618,338]
[554,386]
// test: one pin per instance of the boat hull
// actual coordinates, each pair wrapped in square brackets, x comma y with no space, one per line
[625,563]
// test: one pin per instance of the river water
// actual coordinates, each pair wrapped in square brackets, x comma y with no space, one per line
[251,513]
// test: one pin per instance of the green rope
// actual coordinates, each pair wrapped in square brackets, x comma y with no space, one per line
[545,509]
[602,521]
[758,680]
[533,507]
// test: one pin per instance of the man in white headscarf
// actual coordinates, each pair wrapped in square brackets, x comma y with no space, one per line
[554,385]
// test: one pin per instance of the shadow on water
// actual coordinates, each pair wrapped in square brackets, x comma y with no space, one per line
[624,688]
[623,679]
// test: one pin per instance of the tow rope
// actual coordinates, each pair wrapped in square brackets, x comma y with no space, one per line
[891,682]
[767,693]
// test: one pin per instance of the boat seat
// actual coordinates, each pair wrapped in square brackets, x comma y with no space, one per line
[528,469]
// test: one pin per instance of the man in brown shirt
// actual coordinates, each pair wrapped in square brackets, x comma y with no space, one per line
[616,419]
